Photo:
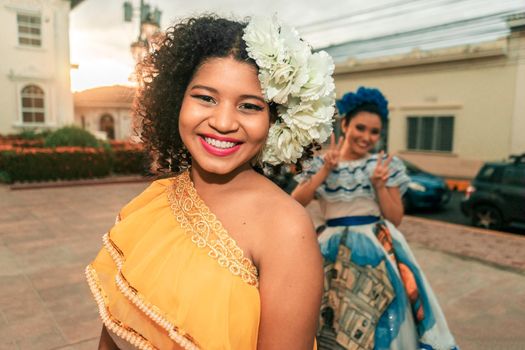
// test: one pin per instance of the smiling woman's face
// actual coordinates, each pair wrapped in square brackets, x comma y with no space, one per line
[361,134]
[224,120]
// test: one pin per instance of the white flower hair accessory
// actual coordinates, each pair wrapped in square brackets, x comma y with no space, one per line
[298,81]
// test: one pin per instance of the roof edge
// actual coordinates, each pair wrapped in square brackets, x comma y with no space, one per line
[494,48]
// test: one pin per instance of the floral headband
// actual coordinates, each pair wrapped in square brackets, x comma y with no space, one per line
[353,100]
[298,81]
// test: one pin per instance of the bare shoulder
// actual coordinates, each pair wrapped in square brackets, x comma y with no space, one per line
[281,213]
[282,225]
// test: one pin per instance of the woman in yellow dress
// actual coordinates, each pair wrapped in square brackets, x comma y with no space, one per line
[217,256]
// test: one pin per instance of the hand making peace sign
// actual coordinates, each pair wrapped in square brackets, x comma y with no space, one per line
[331,157]
[381,172]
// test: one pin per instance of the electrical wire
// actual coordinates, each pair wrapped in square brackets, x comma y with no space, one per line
[355,13]
[461,31]
[348,19]
[399,8]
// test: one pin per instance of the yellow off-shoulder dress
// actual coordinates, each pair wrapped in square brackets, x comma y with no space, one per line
[170,277]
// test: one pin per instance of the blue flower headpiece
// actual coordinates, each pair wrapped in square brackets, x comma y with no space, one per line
[350,101]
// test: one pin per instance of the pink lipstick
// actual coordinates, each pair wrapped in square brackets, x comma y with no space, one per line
[218,151]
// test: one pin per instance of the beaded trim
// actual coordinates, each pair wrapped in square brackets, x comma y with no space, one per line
[152,311]
[112,324]
[206,230]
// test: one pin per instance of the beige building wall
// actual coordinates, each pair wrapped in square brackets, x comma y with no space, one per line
[478,88]
[518,120]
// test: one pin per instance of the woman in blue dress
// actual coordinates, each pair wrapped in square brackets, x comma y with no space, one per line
[376,296]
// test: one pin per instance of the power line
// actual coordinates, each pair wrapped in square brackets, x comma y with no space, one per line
[356,13]
[470,21]
[398,12]
[420,35]
[399,7]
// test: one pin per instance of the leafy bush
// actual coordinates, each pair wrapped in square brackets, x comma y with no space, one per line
[129,161]
[26,161]
[66,163]
[71,136]
[28,135]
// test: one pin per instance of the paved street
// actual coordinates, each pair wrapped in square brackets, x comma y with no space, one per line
[47,236]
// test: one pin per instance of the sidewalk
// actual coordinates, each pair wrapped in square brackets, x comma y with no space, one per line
[501,249]
[47,236]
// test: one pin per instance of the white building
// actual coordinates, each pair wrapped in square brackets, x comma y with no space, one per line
[456,92]
[34,65]
[105,111]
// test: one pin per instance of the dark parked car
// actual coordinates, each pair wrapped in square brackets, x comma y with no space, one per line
[496,197]
[425,190]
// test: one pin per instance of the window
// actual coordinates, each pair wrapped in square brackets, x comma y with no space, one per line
[33,110]
[29,30]
[514,175]
[490,173]
[430,133]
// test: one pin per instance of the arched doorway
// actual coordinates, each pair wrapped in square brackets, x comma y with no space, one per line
[107,124]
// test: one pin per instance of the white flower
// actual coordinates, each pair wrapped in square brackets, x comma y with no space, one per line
[262,40]
[281,56]
[305,115]
[298,81]
[320,82]
[282,145]
[284,80]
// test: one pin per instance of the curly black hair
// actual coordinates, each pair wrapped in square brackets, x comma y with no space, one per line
[164,75]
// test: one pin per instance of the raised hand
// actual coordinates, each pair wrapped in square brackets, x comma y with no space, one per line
[331,157]
[381,172]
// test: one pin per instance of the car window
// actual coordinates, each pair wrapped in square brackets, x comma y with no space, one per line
[514,175]
[488,173]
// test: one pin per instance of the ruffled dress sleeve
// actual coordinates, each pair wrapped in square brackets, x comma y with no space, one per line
[398,176]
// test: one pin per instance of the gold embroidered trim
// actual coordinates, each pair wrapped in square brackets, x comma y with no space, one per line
[152,311]
[111,323]
[206,230]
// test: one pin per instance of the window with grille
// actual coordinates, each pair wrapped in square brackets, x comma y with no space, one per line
[29,30]
[33,110]
[430,133]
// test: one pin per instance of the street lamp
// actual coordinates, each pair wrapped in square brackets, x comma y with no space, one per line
[149,27]
[139,49]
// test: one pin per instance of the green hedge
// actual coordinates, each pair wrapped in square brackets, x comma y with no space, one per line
[49,165]
[67,163]
[128,161]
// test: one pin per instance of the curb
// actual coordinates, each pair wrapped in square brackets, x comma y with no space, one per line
[84,182]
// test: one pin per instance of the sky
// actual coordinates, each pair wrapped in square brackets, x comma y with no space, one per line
[100,39]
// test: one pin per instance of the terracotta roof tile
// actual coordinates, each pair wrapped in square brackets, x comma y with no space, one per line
[105,96]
